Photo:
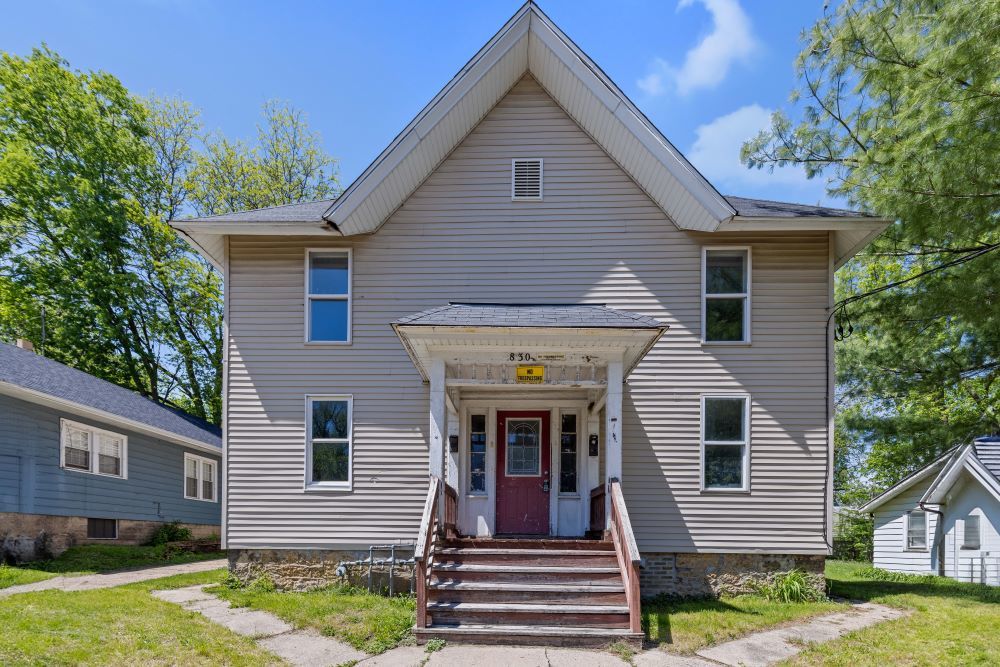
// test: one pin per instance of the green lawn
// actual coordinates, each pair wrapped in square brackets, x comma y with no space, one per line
[951,623]
[370,623]
[684,626]
[91,559]
[118,626]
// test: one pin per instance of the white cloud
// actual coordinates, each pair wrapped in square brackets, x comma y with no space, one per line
[706,65]
[716,154]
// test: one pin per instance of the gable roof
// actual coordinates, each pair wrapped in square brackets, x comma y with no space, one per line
[981,459]
[529,43]
[35,378]
[574,316]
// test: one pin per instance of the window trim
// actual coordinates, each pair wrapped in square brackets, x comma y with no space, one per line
[486,454]
[506,448]
[215,482]
[745,444]
[746,296]
[979,532]
[348,297]
[95,431]
[906,532]
[329,486]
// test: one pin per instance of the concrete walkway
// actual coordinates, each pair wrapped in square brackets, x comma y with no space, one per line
[307,647]
[91,581]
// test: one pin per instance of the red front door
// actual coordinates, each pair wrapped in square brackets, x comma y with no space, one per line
[523,472]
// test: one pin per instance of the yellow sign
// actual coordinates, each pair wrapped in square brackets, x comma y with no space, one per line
[530,374]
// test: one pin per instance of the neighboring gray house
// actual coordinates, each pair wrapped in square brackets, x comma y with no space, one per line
[945,518]
[83,461]
[531,317]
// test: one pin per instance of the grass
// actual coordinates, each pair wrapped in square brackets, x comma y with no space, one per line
[950,623]
[92,559]
[370,623]
[117,626]
[684,626]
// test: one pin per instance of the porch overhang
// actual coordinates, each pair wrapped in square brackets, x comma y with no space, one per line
[481,344]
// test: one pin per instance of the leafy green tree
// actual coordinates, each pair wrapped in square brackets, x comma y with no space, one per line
[89,267]
[899,107]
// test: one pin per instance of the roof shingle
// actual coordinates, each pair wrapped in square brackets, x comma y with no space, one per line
[568,316]
[32,371]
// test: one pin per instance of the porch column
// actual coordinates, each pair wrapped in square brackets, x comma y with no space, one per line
[613,431]
[439,415]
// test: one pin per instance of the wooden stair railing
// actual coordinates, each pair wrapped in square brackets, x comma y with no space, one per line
[422,552]
[450,510]
[628,553]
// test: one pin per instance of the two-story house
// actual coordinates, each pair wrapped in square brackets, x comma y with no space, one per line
[531,322]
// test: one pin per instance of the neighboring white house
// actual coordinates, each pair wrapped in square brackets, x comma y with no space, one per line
[945,518]
[533,303]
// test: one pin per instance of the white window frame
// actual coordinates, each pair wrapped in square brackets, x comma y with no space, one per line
[746,296]
[906,532]
[579,444]
[541,178]
[308,484]
[745,444]
[215,482]
[349,297]
[486,455]
[979,530]
[95,433]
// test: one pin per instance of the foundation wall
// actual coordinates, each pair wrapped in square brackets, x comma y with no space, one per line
[688,575]
[306,569]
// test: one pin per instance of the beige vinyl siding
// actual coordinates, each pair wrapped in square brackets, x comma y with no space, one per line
[595,238]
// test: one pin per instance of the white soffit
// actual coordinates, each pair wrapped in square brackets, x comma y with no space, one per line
[850,235]
[530,43]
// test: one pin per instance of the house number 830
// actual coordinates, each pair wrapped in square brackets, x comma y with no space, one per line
[521,356]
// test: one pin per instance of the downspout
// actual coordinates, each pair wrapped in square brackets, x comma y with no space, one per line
[938,545]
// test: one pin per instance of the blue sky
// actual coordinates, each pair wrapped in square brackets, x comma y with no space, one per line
[706,72]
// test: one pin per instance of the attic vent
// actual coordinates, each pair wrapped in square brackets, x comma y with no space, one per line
[526,181]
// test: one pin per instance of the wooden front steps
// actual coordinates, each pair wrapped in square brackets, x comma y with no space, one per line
[526,591]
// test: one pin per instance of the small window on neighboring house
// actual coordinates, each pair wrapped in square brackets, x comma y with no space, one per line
[328,296]
[726,295]
[970,535]
[916,530]
[93,450]
[328,442]
[199,478]
[477,454]
[725,442]
[526,179]
[102,529]
[567,453]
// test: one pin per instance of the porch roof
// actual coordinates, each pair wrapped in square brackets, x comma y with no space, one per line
[569,316]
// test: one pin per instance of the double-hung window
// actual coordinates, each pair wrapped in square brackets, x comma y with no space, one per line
[93,450]
[725,442]
[199,478]
[329,448]
[725,289]
[328,296]
[970,532]
[916,530]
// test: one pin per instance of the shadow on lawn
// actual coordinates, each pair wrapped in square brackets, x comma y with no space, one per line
[656,615]
[877,589]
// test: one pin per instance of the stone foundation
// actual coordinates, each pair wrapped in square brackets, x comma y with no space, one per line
[711,575]
[28,537]
[305,569]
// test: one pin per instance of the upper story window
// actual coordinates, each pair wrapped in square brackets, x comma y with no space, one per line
[725,290]
[328,296]
[93,450]
[329,451]
[916,530]
[199,478]
[970,532]
[725,442]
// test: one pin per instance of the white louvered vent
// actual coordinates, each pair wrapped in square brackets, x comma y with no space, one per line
[526,179]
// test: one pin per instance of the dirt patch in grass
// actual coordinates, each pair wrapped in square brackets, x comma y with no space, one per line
[370,623]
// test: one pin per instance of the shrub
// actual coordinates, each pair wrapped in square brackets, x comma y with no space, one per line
[262,584]
[791,586]
[170,532]
[877,574]
[853,536]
